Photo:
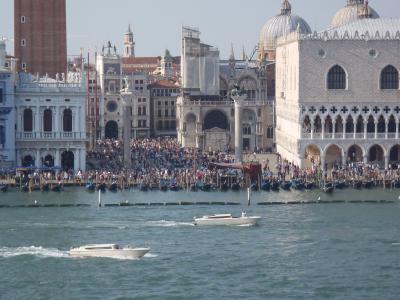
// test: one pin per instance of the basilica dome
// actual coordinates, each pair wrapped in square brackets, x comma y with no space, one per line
[281,24]
[353,11]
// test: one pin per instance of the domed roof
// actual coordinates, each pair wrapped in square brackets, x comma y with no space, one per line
[281,24]
[353,11]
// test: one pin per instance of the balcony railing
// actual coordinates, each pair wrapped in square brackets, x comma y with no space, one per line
[50,136]
[348,136]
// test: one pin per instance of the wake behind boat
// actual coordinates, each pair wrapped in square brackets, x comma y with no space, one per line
[226,220]
[108,250]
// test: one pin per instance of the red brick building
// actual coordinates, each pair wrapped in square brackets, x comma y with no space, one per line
[41,36]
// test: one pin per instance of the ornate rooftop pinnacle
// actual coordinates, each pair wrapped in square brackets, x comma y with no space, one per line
[355,2]
[286,8]
[365,13]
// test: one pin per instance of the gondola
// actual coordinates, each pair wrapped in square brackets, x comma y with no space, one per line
[328,188]
[340,184]
[113,187]
[25,187]
[174,187]
[102,187]
[298,184]
[4,188]
[309,185]
[90,186]
[286,185]
[235,187]
[224,187]
[254,187]
[266,186]
[57,188]
[206,187]
[193,188]
[368,184]
[143,187]
[357,184]
[275,186]
[45,187]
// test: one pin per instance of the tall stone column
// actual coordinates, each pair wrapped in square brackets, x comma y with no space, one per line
[126,95]
[238,127]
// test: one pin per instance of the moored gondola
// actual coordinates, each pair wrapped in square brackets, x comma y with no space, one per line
[328,188]
[368,184]
[102,186]
[298,184]
[254,187]
[4,188]
[206,187]
[113,187]
[266,186]
[275,186]
[224,187]
[45,187]
[57,187]
[143,187]
[309,185]
[90,186]
[357,184]
[235,187]
[286,185]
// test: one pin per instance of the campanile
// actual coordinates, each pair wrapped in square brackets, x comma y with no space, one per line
[40,36]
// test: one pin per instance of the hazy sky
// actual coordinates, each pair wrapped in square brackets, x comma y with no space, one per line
[157,23]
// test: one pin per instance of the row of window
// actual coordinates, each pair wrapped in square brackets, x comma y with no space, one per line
[166,103]
[142,110]
[166,113]
[166,125]
[47,120]
[337,78]
[164,92]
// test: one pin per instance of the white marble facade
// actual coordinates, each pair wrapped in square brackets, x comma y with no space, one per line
[338,94]
[50,122]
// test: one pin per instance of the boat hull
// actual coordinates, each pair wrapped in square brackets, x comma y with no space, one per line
[120,253]
[246,221]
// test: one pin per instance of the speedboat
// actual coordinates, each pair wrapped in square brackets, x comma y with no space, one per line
[108,250]
[226,220]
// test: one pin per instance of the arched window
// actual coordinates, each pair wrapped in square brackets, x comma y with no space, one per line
[390,78]
[28,120]
[246,129]
[336,78]
[67,120]
[48,120]
[2,135]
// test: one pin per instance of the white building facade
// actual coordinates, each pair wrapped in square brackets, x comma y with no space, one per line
[338,94]
[51,122]
[7,110]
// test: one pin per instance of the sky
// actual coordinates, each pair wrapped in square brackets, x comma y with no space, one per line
[157,23]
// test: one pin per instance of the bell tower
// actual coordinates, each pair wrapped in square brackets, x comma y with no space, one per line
[129,44]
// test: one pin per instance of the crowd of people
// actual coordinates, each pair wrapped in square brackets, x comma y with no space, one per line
[153,160]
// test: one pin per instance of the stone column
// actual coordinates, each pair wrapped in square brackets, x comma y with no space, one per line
[397,129]
[312,129]
[36,118]
[387,161]
[57,159]
[38,161]
[376,129]
[365,157]
[238,127]
[365,129]
[333,129]
[354,128]
[386,128]
[344,129]
[126,134]
[323,130]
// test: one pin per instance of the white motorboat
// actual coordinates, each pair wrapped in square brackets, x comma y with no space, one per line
[226,220]
[108,250]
